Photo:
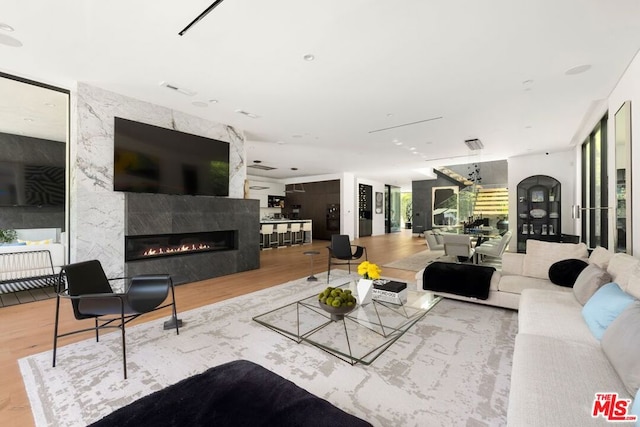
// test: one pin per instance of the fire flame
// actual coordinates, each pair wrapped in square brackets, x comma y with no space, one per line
[170,250]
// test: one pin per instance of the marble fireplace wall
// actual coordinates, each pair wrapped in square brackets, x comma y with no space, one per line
[97,213]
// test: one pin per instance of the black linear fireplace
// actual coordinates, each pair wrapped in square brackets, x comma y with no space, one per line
[163,245]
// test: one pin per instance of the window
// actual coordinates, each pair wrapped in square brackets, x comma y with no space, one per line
[595,216]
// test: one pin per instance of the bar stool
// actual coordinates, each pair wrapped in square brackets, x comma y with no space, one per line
[266,230]
[282,230]
[306,228]
[296,236]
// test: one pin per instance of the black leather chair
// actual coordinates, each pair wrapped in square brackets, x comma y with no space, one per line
[342,252]
[92,297]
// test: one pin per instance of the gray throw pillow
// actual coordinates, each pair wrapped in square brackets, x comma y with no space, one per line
[588,282]
[621,343]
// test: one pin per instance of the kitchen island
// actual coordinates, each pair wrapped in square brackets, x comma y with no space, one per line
[305,229]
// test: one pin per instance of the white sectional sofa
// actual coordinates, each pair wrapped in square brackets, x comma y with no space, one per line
[559,364]
[522,271]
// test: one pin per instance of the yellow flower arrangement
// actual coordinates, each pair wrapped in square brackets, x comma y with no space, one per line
[369,270]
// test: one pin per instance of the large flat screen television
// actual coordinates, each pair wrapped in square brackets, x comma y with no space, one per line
[151,159]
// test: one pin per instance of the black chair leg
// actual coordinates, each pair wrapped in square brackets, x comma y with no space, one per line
[55,331]
[124,347]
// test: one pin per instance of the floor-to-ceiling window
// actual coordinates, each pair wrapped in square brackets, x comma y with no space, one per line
[595,215]
[392,209]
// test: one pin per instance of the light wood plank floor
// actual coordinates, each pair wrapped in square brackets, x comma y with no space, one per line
[28,328]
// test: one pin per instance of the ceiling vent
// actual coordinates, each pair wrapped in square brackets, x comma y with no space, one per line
[178,89]
[258,187]
[474,144]
[261,167]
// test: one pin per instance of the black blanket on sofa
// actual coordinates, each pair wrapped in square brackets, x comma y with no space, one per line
[238,393]
[467,280]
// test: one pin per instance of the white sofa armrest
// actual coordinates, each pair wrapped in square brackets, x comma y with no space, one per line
[512,263]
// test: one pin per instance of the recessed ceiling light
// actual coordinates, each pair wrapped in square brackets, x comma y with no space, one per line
[28,119]
[6,27]
[577,70]
[280,142]
[200,104]
[49,104]
[413,148]
[389,115]
[213,101]
[296,136]
[309,57]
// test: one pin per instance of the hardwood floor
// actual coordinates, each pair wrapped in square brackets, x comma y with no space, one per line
[27,329]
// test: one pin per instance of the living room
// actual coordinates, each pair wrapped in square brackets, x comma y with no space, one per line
[95,223]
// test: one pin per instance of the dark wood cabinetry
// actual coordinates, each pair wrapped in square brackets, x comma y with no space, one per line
[539,215]
[365,210]
[319,202]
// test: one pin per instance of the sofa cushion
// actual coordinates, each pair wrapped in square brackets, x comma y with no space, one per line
[516,284]
[604,307]
[633,284]
[541,255]
[620,267]
[566,271]
[621,344]
[554,382]
[555,314]
[600,256]
[589,281]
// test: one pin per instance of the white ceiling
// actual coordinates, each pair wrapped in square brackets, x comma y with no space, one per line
[493,70]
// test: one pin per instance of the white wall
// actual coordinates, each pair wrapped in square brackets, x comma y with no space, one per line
[559,165]
[274,188]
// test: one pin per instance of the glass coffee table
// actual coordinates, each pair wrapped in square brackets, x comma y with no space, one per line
[360,336]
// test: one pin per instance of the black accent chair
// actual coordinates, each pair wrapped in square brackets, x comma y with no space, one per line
[91,295]
[341,249]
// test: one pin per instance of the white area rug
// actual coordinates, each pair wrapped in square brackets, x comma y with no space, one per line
[417,262]
[451,369]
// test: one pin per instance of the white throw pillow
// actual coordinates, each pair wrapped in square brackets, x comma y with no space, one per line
[600,257]
[588,282]
[620,268]
[541,255]
[633,284]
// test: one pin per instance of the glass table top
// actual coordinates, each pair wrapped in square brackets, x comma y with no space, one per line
[360,336]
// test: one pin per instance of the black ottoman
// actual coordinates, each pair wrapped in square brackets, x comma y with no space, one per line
[467,280]
[238,393]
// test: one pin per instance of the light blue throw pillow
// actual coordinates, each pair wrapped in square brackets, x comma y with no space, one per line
[604,306]
[635,408]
